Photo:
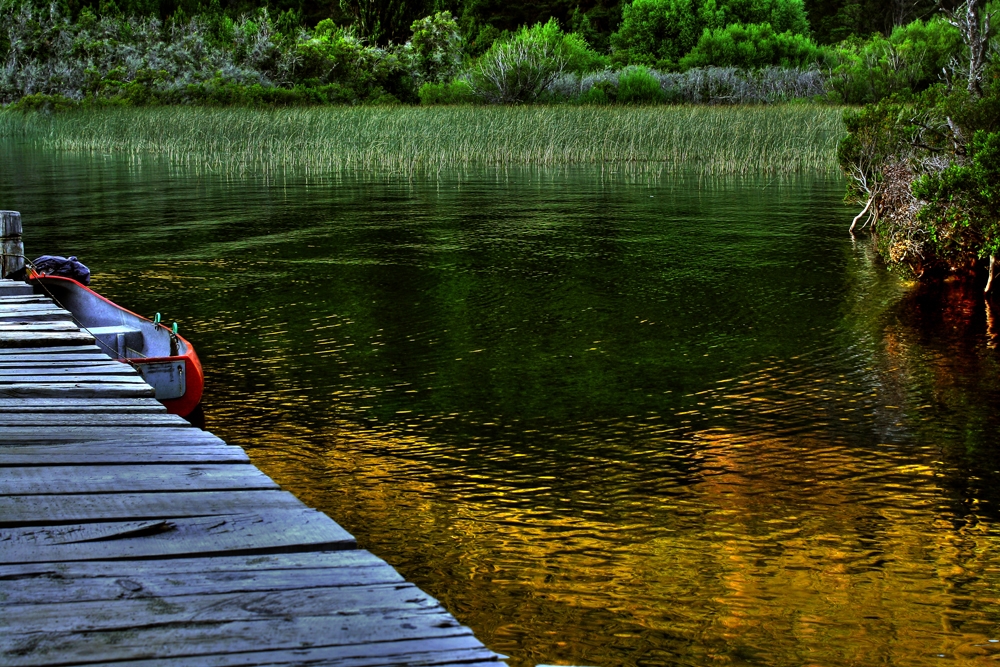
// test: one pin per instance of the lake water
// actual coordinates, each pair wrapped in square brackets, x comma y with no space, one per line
[606,418]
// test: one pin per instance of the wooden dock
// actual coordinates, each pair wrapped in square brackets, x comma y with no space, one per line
[128,536]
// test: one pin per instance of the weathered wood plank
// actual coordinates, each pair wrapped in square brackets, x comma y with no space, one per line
[10,403]
[37,326]
[59,480]
[270,531]
[58,589]
[20,339]
[36,315]
[11,290]
[76,390]
[68,349]
[23,298]
[91,362]
[46,509]
[51,358]
[135,611]
[223,563]
[122,434]
[92,454]
[124,376]
[196,637]
[25,306]
[85,419]
[459,650]
[13,373]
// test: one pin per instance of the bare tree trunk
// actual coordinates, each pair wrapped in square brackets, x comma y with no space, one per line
[976,33]
[989,281]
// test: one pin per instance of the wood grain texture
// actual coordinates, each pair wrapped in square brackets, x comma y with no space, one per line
[76,390]
[221,564]
[195,637]
[59,350]
[252,532]
[58,590]
[90,419]
[96,453]
[21,339]
[169,477]
[76,508]
[424,652]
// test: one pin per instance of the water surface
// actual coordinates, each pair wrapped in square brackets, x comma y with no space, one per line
[606,419]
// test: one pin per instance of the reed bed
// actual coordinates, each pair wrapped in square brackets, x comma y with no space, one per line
[783,139]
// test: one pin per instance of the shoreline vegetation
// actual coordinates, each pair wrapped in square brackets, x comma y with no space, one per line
[71,53]
[733,140]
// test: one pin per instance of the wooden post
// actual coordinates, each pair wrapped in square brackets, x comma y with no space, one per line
[11,247]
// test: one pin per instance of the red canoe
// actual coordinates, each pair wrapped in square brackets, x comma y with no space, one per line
[164,359]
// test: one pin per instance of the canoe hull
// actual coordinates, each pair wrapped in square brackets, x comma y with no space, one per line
[165,360]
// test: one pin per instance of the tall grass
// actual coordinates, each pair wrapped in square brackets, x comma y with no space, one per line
[707,140]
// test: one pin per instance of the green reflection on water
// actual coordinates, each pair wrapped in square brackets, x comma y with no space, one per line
[607,421]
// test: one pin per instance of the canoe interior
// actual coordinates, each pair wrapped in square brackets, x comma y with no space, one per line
[121,334]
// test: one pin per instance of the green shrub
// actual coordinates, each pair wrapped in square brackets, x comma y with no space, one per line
[636,85]
[455,92]
[751,46]
[519,69]
[660,32]
[910,60]
[437,48]
[602,92]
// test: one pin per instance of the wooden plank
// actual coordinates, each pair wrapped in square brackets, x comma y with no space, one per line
[24,298]
[11,309]
[23,306]
[74,403]
[10,290]
[76,390]
[197,637]
[136,612]
[51,358]
[124,376]
[191,437]
[90,453]
[37,326]
[57,590]
[122,434]
[103,405]
[104,368]
[59,480]
[68,349]
[39,315]
[217,564]
[19,339]
[90,362]
[254,532]
[26,510]
[457,651]
[77,419]
[224,563]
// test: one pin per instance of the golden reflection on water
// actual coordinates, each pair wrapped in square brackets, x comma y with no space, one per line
[786,551]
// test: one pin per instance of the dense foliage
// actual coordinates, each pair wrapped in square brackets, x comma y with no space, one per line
[926,169]
[99,52]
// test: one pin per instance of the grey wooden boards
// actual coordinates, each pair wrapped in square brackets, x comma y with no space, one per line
[128,536]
